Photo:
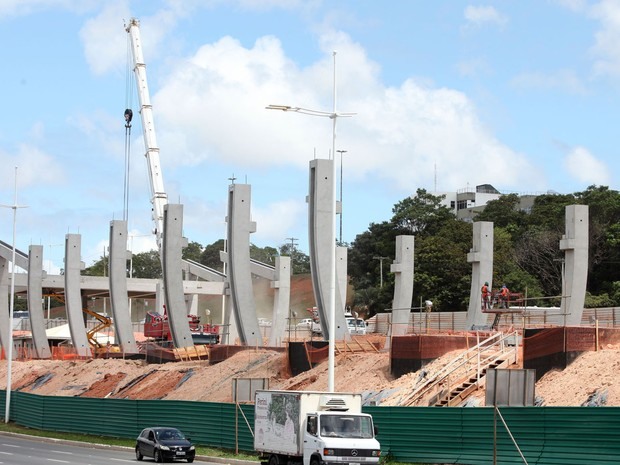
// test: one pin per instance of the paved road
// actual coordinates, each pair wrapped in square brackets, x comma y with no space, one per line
[30,450]
[22,450]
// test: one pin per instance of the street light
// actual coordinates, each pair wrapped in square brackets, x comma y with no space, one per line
[333,115]
[341,152]
[14,207]
[381,268]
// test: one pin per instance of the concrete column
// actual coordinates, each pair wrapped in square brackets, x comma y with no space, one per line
[341,292]
[281,300]
[403,285]
[239,228]
[481,259]
[321,218]
[5,321]
[575,246]
[119,299]
[35,297]
[73,296]
[173,243]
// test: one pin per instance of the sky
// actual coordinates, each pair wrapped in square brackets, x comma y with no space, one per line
[449,94]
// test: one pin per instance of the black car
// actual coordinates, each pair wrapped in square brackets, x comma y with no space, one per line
[164,445]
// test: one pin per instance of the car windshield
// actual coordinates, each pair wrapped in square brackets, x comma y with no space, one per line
[346,426]
[169,434]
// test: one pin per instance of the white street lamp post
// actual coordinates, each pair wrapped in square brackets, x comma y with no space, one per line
[333,115]
[14,207]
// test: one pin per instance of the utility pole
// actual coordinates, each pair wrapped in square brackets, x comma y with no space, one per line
[292,252]
[341,152]
[381,267]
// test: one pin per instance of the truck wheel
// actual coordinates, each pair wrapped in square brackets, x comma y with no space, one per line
[315,461]
[273,460]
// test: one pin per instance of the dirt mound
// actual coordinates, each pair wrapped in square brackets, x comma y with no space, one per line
[593,374]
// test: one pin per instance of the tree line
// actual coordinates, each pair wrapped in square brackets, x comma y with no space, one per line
[527,257]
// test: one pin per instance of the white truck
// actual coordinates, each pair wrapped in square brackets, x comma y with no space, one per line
[313,428]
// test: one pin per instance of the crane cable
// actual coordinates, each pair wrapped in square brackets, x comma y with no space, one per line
[129,79]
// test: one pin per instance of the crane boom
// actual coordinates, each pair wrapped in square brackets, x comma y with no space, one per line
[158,195]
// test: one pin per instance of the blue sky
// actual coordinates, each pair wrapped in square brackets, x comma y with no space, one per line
[447,94]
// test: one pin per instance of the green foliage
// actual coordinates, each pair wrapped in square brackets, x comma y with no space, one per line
[421,214]
[300,261]
[527,257]
[210,256]
[146,265]
[193,251]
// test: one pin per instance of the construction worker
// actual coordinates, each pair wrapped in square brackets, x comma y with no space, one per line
[486,296]
[504,296]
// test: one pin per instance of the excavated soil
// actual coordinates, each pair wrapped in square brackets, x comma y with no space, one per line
[591,374]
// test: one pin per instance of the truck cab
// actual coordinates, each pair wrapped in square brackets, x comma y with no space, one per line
[340,438]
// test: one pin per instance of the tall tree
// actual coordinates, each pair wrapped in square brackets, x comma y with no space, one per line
[421,214]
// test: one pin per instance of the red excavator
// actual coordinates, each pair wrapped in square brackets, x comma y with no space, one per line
[156,326]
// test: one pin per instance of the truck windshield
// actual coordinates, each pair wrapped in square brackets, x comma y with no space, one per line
[346,426]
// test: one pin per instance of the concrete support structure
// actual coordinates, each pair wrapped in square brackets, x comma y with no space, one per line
[481,258]
[403,285]
[35,297]
[73,297]
[575,267]
[321,218]
[172,245]
[5,320]
[239,228]
[118,288]
[341,291]
[281,300]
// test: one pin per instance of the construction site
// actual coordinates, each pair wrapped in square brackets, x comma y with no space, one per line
[575,365]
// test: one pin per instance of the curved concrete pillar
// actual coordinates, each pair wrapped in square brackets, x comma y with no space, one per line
[5,319]
[321,218]
[403,285]
[341,292]
[119,299]
[73,297]
[575,246]
[173,243]
[481,259]
[239,228]
[281,300]
[35,297]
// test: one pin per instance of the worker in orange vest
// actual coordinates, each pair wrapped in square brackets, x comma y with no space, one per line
[504,296]
[486,296]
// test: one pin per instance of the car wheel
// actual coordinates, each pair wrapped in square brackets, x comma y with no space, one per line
[139,455]
[190,460]
[158,458]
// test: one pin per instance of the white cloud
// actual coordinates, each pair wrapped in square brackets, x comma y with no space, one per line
[575,5]
[479,15]
[586,168]
[105,46]
[212,107]
[34,167]
[276,221]
[562,80]
[607,38]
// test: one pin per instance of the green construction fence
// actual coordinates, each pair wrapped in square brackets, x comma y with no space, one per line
[449,435]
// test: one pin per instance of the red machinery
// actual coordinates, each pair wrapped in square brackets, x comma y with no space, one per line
[156,326]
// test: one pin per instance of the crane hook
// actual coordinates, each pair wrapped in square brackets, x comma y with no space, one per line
[128,117]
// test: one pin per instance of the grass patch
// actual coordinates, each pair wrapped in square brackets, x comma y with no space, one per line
[111,441]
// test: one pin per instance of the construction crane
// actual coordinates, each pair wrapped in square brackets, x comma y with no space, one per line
[158,195]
